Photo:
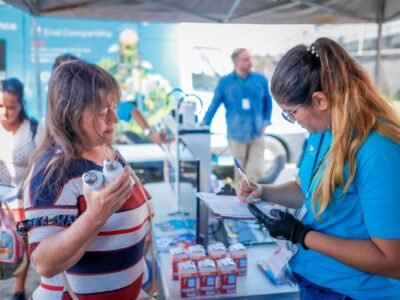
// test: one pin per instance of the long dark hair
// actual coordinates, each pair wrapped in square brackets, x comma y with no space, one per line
[74,87]
[15,87]
[66,57]
[356,107]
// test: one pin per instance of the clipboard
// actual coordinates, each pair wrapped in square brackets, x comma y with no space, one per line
[229,206]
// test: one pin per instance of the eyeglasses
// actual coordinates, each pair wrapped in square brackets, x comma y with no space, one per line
[288,115]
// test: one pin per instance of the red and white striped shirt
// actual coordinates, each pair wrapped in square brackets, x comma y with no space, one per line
[112,266]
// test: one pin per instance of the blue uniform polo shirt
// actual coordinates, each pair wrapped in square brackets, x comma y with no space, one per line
[124,110]
[244,125]
[370,208]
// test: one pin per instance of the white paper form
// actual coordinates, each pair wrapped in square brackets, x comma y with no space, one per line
[230,206]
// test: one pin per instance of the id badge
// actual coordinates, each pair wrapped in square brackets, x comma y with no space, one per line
[279,259]
[245,103]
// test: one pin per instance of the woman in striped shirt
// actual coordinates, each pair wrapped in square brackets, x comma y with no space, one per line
[102,252]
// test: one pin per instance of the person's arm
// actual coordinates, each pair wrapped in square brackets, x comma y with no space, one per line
[137,115]
[215,103]
[288,194]
[155,137]
[378,196]
[377,256]
[267,106]
[58,252]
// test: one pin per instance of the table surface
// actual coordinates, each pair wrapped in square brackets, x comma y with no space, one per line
[255,285]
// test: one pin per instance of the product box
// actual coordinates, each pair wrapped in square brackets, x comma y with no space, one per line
[238,253]
[227,275]
[188,276]
[196,253]
[207,277]
[216,251]
[177,255]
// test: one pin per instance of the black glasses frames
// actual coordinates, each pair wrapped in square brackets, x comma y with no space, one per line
[288,115]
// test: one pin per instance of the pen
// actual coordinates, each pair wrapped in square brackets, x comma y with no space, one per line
[241,172]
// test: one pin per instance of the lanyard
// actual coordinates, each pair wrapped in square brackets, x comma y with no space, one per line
[301,212]
[316,166]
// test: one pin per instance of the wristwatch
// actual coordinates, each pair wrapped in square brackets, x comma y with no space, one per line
[147,132]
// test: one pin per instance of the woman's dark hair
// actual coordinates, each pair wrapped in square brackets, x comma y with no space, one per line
[296,77]
[62,59]
[15,87]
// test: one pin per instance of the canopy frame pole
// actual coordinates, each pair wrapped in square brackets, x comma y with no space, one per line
[379,20]
[179,9]
[231,11]
[37,67]
[333,10]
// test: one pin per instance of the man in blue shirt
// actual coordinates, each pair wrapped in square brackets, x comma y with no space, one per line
[248,104]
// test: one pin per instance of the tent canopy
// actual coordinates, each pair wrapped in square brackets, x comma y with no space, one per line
[220,11]
[224,11]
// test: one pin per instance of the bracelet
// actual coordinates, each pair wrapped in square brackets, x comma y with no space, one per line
[58,220]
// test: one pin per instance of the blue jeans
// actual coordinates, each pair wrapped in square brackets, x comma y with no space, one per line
[311,291]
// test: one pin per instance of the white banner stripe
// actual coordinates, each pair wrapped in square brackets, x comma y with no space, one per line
[126,219]
[56,280]
[105,282]
[39,233]
[41,294]
[115,242]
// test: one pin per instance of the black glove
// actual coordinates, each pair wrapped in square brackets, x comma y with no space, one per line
[282,225]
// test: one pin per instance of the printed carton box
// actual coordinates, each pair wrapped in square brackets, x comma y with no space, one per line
[207,277]
[177,255]
[226,270]
[197,253]
[188,276]
[216,251]
[238,253]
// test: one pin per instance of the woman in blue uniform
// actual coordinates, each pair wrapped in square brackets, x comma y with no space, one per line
[347,193]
